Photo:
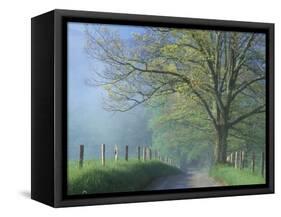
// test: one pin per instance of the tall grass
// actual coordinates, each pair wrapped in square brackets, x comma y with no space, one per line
[123,176]
[231,176]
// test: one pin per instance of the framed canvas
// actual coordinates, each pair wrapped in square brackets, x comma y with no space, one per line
[134,108]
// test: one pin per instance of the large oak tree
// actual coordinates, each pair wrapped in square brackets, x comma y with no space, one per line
[222,72]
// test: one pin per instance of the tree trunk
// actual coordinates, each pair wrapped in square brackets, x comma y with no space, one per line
[221,144]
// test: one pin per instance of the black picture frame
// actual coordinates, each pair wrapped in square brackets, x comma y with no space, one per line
[49,116]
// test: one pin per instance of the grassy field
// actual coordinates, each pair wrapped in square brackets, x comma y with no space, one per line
[122,176]
[231,176]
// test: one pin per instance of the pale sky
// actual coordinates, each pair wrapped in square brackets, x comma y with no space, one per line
[88,122]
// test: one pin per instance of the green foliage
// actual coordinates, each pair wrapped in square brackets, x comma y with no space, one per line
[205,87]
[231,176]
[122,176]
[181,131]
[248,135]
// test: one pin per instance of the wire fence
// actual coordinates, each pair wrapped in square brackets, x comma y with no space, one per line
[253,161]
[116,153]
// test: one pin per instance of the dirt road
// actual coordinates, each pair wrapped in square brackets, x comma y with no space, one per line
[191,179]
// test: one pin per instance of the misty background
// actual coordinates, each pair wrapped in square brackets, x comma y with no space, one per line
[88,122]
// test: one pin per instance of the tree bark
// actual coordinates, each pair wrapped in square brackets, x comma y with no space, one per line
[221,144]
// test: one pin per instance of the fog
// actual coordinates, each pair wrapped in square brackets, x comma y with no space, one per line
[88,122]
[91,125]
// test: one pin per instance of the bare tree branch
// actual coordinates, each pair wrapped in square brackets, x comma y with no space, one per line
[257,110]
[244,85]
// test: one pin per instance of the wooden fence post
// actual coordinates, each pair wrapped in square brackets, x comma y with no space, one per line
[144,153]
[242,159]
[245,161]
[81,156]
[253,162]
[116,153]
[139,154]
[126,152]
[239,160]
[236,160]
[103,154]
[228,159]
[262,164]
